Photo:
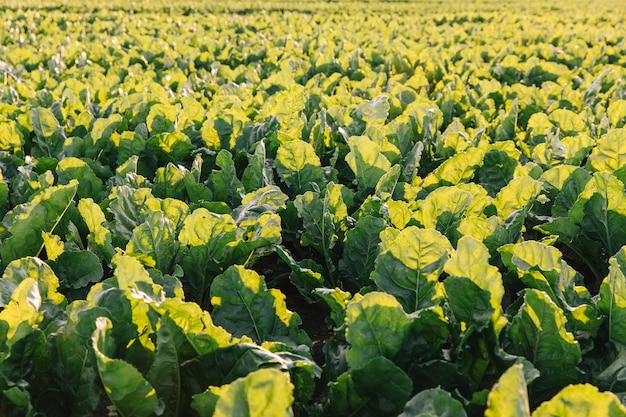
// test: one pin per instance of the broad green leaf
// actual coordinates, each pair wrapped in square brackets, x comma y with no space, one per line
[154,242]
[299,166]
[361,247]
[128,390]
[195,324]
[78,269]
[306,275]
[89,185]
[516,195]
[21,313]
[564,183]
[169,181]
[376,326]
[162,118]
[205,228]
[378,389]
[612,300]
[125,204]
[99,235]
[497,170]
[337,300]
[257,174]
[509,396]
[34,268]
[567,121]
[581,401]
[225,183]
[387,183]
[374,112]
[322,217]
[49,133]
[409,267]
[42,214]
[434,402]
[541,267]
[171,147]
[245,307]
[609,154]
[101,134]
[456,169]
[53,245]
[469,302]
[173,209]
[601,211]
[129,144]
[11,139]
[164,374]
[443,209]
[617,113]
[538,333]
[264,199]
[367,162]
[133,278]
[262,393]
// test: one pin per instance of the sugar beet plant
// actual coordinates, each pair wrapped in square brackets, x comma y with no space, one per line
[440,189]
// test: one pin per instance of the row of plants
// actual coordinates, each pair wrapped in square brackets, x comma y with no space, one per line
[446,192]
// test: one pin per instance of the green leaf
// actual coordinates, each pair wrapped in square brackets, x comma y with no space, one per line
[616,113]
[264,199]
[169,181]
[456,169]
[469,303]
[601,211]
[162,118]
[612,300]
[322,219]
[376,326]
[99,235]
[125,205]
[128,390]
[509,396]
[471,260]
[433,402]
[154,242]
[306,275]
[443,209]
[11,139]
[361,247]
[497,170]
[262,393]
[299,166]
[78,269]
[49,133]
[89,185]
[225,183]
[581,401]
[245,307]
[171,147]
[42,214]
[516,195]
[538,332]
[164,374]
[257,174]
[378,389]
[205,228]
[609,154]
[34,268]
[367,162]
[410,265]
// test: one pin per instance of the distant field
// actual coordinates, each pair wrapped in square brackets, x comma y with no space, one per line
[312,208]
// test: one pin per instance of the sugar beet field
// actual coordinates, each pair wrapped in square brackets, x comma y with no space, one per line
[312,209]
